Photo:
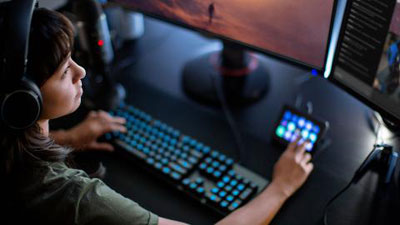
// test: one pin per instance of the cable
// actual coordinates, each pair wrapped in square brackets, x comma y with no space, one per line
[229,118]
[299,98]
[299,104]
[325,212]
[298,101]
[332,200]
[309,107]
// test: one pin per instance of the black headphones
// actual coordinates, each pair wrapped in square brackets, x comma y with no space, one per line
[20,97]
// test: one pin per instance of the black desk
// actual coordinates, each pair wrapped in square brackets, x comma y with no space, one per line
[150,70]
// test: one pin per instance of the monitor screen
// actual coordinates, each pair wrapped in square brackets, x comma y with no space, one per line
[295,30]
[367,60]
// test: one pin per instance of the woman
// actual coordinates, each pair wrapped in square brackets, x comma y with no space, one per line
[41,187]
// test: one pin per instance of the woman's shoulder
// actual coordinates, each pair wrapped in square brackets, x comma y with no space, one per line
[80,198]
[59,170]
[52,179]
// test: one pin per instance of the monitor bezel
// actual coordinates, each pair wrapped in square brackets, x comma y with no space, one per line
[287,59]
[381,110]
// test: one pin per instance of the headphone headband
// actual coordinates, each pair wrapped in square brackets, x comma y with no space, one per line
[17,20]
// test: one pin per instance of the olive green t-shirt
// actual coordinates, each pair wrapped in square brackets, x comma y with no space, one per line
[57,194]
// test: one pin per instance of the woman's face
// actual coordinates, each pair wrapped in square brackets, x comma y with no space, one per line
[63,90]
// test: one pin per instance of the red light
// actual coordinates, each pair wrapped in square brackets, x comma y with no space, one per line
[100,42]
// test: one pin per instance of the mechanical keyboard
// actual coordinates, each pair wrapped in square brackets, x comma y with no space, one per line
[189,165]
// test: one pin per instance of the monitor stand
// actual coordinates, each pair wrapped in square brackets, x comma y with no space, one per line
[242,76]
[382,159]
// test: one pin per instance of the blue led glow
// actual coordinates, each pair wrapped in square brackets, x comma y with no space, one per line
[309,125]
[314,72]
[291,126]
[287,115]
[313,137]
[316,129]
[309,146]
[288,135]
[304,134]
[301,122]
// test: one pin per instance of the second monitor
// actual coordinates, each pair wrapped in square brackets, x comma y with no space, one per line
[367,61]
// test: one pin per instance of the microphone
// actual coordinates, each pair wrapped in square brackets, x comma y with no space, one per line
[94,38]
[94,34]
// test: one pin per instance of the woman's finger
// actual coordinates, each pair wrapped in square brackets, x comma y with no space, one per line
[106,116]
[299,153]
[292,146]
[101,146]
[301,148]
[120,120]
[109,127]
[306,159]
[92,113]
[309,167]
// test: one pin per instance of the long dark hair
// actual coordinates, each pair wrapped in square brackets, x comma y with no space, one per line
[50,42]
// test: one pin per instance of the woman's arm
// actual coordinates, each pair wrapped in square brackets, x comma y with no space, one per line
[290,172]
[163,221]
[259,211]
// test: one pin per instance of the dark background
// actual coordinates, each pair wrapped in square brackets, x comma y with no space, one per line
[150,70]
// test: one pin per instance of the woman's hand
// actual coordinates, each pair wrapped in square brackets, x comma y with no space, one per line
[84,135]
[292,168]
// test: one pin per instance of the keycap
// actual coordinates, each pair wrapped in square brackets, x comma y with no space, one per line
[229,198]
[234,205]
[224,204]
[246,194]
[213,198]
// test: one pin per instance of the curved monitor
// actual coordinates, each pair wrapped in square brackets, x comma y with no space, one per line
[367,59]
[295,30]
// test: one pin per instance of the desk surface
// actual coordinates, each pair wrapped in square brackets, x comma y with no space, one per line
[150,70]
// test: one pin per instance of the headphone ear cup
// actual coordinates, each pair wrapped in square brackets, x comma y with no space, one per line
[21,108]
